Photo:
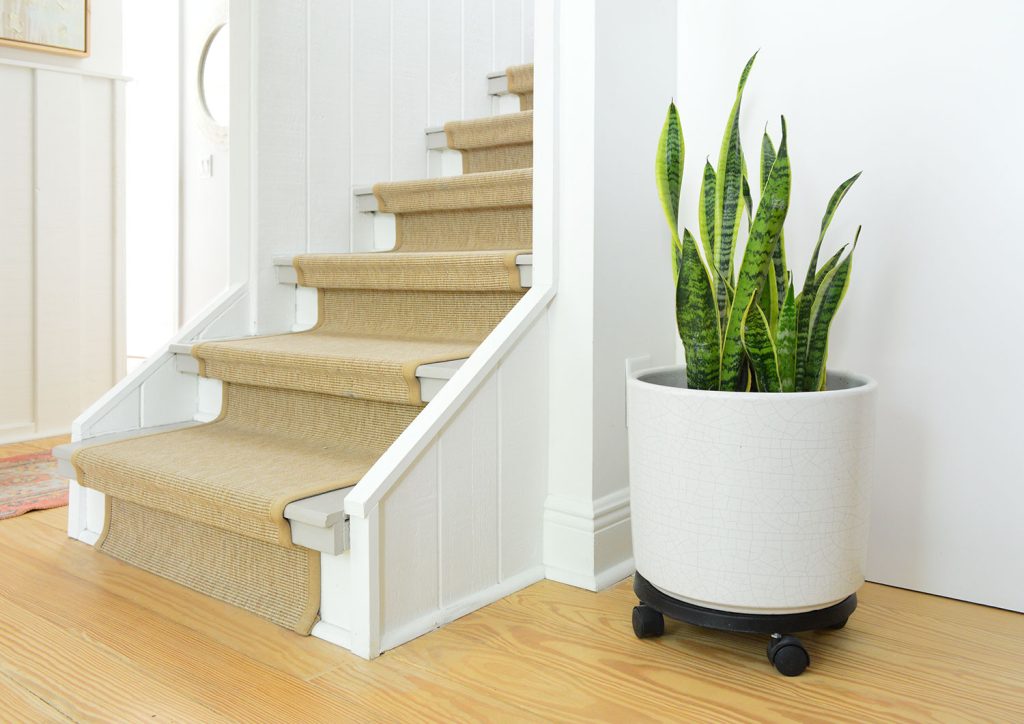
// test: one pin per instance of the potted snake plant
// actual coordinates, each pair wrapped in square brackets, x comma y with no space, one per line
[750,464]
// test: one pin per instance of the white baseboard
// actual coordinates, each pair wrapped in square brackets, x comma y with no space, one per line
[332,634]
[588,546]
[425,624]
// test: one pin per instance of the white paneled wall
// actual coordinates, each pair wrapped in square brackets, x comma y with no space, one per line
[354,84]
[463,526]
[61,245]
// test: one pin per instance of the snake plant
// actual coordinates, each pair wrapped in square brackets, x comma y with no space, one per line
[748,329]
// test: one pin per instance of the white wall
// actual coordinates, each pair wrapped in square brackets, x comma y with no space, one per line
[204,212]
[921,97]
[151,50]
[342,92]
[61,235]
[616,70]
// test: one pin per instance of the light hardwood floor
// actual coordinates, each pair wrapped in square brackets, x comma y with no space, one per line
[86,637]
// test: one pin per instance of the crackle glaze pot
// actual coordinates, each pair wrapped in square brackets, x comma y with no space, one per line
[750,502]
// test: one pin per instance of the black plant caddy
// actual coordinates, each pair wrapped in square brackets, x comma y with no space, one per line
[785,651]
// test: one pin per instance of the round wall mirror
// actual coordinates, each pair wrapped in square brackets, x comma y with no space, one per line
[215,76]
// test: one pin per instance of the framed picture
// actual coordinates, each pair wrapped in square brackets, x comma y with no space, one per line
[53,26]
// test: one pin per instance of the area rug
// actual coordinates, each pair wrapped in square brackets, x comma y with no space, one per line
[30,482]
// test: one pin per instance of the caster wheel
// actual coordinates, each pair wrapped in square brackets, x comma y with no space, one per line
[837,626]
[788,655]
[647,623]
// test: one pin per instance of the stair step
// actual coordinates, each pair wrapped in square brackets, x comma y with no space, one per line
[62,453]
[286,273]
[319,522]
[497,83]
[491,189]
[431,376]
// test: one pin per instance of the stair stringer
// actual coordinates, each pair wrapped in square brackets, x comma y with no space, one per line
[450,518]
[155,394]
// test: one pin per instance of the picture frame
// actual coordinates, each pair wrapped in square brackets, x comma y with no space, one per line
[49,26]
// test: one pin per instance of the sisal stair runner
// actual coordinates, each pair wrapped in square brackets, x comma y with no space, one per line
[309,412]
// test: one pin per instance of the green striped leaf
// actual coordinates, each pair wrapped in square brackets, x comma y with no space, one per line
[668,171]
[772,288]
[767,158]
[729,193]
[748,201]
[707,212]
[812,279]
[779,256]
[757,341]
[785,340]
[697,318]
[764,234]
[828,266]
[826,303]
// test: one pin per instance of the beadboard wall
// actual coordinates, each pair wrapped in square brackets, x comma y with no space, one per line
[61,243]
[341,94]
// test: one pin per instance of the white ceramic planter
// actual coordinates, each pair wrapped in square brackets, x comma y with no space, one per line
[750,502]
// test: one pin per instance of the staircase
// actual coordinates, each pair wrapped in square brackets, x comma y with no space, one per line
[307,413]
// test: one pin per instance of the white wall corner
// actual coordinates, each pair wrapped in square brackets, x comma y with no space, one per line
[588,546]
[613,88]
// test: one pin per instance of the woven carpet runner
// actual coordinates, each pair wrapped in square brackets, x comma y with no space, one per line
[309,412]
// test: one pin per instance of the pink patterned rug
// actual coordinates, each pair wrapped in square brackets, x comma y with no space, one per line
[30,482]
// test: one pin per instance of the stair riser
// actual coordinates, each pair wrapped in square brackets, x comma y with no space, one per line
[479,230]
[463,316]
[497,158]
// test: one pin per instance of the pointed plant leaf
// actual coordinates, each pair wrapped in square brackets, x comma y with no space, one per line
[748,202]
[697,318]
[668,170]
[668,165]
[779,262]
[826,303]
[812,279]
[767,158]
[760,349]
[764,234]
[779,256]
[707,213]
[785,340]
[729,192]
[772,289]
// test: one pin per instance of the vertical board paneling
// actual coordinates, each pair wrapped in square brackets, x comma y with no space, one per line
[445,61]
[477,56]
[409,586]
[508,34]
[371,91]
[95,273]
[16,250]
[371,107]
[281,170]
[58,229]
[527,31]
[523,394]
[330,160]
[409,38]
[468,482]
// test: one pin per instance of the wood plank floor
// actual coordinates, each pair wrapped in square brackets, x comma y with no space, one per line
[87,638]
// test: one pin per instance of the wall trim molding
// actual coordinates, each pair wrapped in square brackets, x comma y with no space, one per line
[588,544]
[29,65]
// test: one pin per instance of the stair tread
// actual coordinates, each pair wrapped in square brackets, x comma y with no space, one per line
[488,189]
[241,477]
[362,367]
[502,130]
[495,270]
